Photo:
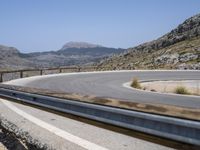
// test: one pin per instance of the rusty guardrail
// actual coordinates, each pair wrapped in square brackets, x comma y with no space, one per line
[42,71]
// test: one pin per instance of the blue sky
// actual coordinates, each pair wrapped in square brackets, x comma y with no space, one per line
[42,25]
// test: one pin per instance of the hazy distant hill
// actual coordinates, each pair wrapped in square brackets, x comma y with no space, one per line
[10,58]
[87,49]
[79,45]
[178,49]
[72,53]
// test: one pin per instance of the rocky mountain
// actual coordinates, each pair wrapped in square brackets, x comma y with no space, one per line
[178,49]
[72,53]
[73,44]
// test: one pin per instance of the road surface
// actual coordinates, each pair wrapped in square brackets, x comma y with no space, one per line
[69,132]
[110,84]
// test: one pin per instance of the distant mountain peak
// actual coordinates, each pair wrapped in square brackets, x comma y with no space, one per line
[73,44]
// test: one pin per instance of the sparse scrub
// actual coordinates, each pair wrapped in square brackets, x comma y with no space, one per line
[153,90]
[181,90]
[135,84]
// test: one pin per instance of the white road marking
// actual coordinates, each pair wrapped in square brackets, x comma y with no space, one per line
[67,136]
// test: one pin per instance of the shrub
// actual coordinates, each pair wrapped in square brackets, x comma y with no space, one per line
[153,90]
[181,90]
[135,84]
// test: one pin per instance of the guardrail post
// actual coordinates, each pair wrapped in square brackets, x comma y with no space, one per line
[41,72]
[21,74]
[1,77]
[79,69]
[60,70]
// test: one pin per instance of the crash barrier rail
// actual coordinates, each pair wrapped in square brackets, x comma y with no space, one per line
[183,130]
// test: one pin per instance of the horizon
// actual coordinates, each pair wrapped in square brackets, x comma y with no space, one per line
[37,26]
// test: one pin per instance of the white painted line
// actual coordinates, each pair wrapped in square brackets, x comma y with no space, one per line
[67,136]
[128,85]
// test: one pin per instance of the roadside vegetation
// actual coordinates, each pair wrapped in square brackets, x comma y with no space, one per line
[136,84]
[181,90]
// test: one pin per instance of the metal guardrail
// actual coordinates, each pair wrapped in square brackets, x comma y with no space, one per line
[182,130]
[42,71]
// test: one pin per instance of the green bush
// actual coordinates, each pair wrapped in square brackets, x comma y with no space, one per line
[181,90]
[135,84]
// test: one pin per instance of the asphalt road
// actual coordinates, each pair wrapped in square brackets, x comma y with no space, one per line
[110,84]
[66,132]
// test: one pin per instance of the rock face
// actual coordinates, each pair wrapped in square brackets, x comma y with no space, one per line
[167,59]
[188,57]
[189,66]
[72,53]
[175,58]
[181,45]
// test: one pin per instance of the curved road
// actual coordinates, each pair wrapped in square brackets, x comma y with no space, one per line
[110,84]
[55,131]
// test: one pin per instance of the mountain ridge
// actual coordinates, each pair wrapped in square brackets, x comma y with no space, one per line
[178,49]
[77,53]
[74,44]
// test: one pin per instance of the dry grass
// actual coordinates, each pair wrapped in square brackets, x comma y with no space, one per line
[181,90]
[136,84]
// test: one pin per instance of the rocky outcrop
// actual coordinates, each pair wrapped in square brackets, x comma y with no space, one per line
[189,66]
[167,59]
[175,58]
[187,57]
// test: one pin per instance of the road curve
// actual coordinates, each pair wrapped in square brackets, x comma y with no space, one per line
[110,84]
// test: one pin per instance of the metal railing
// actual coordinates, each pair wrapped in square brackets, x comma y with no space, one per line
[27,72]
[182,130]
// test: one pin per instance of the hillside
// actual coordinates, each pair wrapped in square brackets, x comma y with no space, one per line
[72,53]
[10,59]
[178,49]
